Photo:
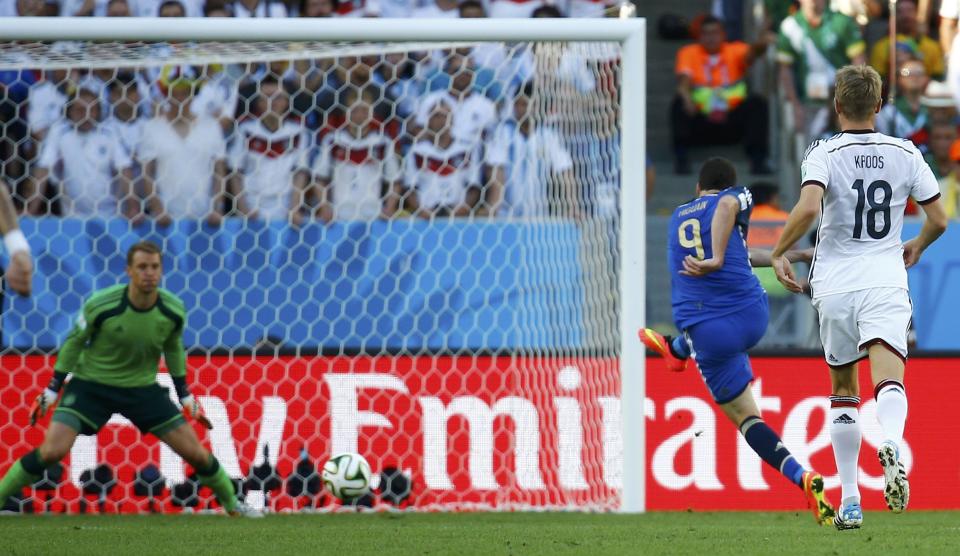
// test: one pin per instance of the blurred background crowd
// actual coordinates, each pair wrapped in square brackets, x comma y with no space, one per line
[449,132]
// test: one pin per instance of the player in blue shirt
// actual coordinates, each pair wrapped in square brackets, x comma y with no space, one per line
[722,310]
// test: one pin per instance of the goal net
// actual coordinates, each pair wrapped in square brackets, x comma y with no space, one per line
[407,250]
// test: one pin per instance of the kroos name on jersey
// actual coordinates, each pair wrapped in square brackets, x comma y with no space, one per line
[868,161]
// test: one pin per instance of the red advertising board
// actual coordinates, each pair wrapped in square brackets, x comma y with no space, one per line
[506,432]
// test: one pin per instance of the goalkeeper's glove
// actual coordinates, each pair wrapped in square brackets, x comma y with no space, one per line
[42,404]
[193,410]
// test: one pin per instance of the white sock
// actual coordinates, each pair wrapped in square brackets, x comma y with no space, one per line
[845,436]
[891,410]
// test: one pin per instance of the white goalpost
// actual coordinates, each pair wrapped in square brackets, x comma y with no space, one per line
[471,347]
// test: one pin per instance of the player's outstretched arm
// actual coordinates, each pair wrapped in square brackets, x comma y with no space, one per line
[762,257]
[67,360]
[176,359]
[799,221]
[724,218]
[933,227]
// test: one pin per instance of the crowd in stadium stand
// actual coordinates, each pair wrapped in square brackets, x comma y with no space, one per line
[297,8]
[443,133]
[810,40]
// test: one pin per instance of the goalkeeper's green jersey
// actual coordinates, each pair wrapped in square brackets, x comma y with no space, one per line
[114,343]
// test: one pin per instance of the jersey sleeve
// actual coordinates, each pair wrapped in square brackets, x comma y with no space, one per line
[76,340]
[925,188]
[744,202]
[173,351]
[950,9]
[174,354]
[814,169]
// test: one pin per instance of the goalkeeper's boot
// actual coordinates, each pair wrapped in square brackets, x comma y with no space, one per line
[817,498]
[896,490]
[244,510]
[661,344]
[849,517]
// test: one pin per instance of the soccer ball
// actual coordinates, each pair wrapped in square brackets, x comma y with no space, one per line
[346,476]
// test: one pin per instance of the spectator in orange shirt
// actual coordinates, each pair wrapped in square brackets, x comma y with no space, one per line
[712,105]
[766,224]
[767,218]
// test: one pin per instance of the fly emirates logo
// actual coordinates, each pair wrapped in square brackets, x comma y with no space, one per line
[558,438]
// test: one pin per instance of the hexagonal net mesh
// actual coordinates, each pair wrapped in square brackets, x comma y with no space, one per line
[407,251]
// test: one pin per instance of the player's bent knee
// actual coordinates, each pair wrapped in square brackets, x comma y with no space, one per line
[56,445]
[52,452]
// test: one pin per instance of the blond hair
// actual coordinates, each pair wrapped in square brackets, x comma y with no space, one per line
[858,91]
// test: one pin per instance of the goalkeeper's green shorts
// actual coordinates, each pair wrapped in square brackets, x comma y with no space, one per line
[86,406]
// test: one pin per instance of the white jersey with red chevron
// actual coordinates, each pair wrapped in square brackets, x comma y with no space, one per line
[267,160]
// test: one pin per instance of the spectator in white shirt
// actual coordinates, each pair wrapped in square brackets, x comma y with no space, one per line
[514,8]
[269,157]
[89,156]
[474,115]
[125,117]
[46,102]
[358,174]
[441,175]
[438,9]
[22,8]
[534,159]
[83,8]
[184,159]
[259,8]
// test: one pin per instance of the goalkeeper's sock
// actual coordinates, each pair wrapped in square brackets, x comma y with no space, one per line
[845,435]
[219,482]
[680,348]
[891,410]
[770,448]
[25,471]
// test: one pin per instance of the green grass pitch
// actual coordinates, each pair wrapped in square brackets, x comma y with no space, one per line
[739,534]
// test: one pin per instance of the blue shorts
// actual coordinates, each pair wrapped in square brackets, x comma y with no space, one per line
[720,349]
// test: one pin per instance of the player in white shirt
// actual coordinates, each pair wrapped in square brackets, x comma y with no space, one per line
[441,175]
[269,157]
[184,161]
[89,157]
[357,170]
[531,156]
[858,182]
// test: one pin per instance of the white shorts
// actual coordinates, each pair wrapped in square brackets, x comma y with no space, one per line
[851,321]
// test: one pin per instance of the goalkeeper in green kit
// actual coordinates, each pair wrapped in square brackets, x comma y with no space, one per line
[113,353]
